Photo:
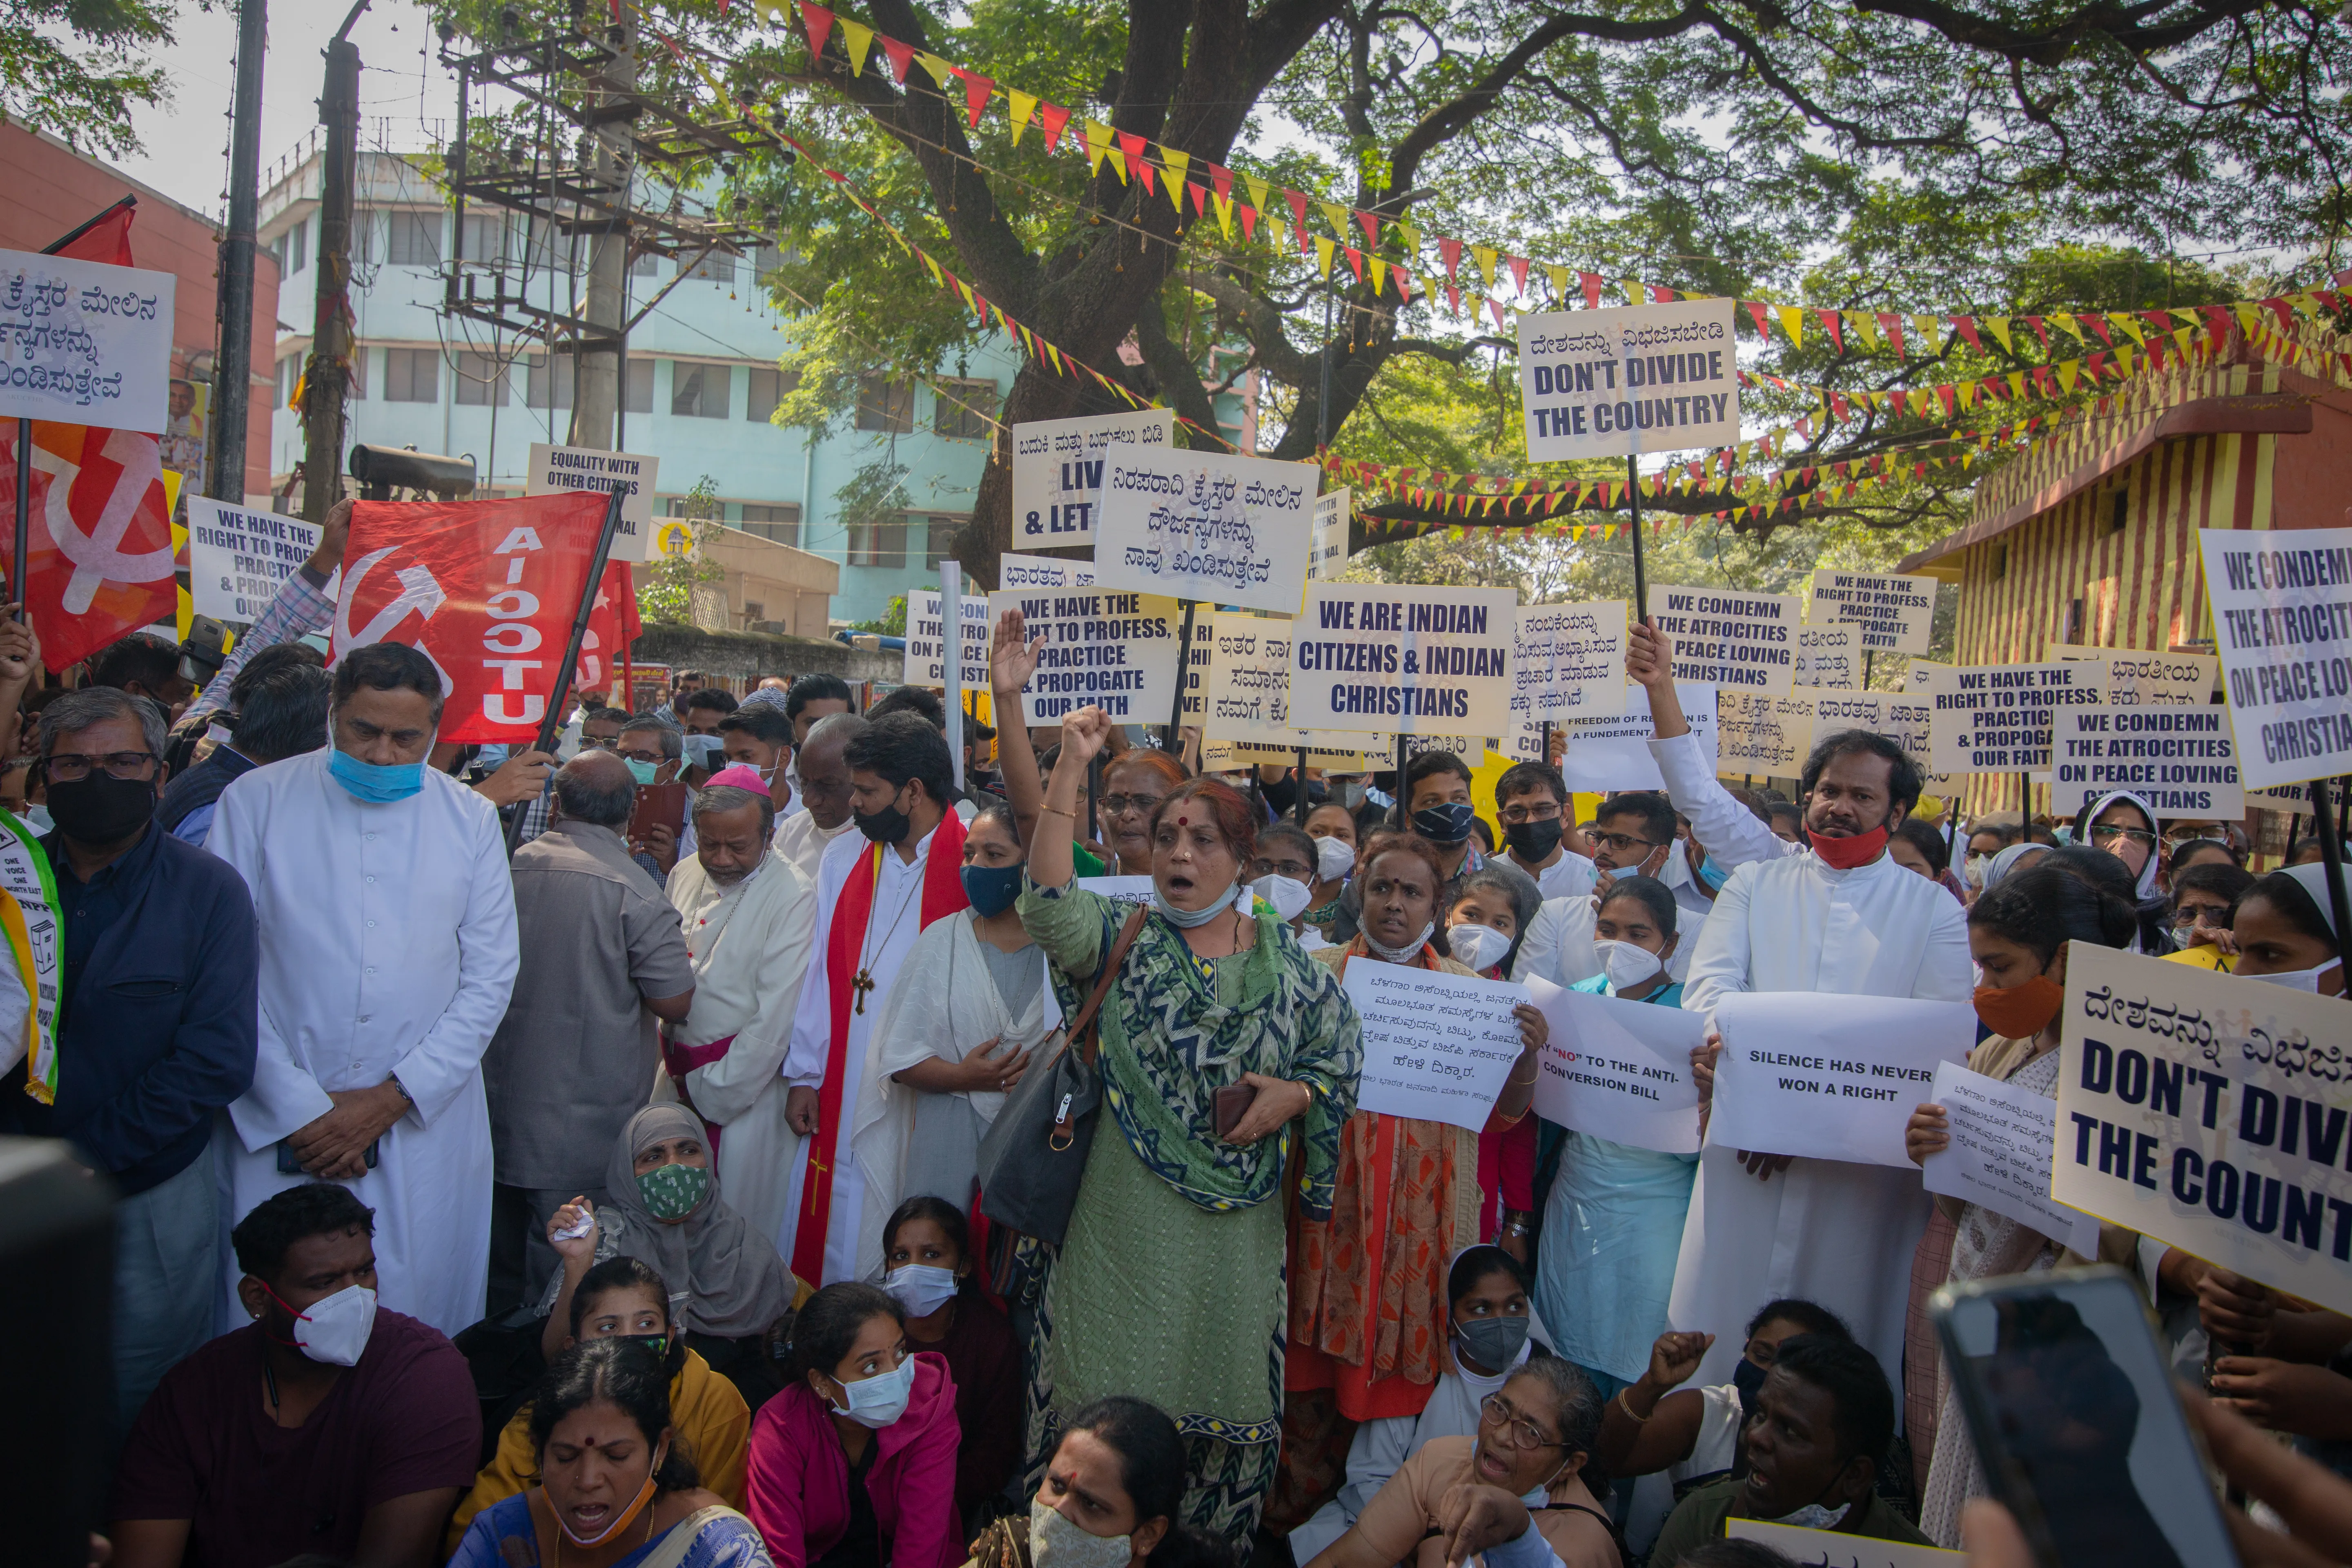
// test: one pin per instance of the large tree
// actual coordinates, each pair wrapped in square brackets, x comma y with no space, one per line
[77,67]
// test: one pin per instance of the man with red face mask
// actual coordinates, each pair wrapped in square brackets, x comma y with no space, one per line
[1832,913]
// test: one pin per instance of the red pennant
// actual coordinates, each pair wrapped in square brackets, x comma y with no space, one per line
[1966,327]
[1403,283]
[818,20]
[1220,179]
[1591,283]
[976,88]
[1298,200]
[1200,199]
[2099,325]
[1949,397]
[1518,266]
[1450,251]
[2161,319]
[1837,335]
[1756,314]
[1496,305]
[2217,320]
[1370,224]
[1053,117]
[2284,313]
[1249,219]
[900,55]
[1130,147]
[1661,294]
[2040,330]
[1454,299]
[1356,260]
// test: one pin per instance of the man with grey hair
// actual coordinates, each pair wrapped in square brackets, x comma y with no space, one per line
[751,924]
[654,747]
[823,786]
[576,1055]
[154,1013]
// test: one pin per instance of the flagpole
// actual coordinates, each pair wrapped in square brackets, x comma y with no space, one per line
[1169,737]
[552,720]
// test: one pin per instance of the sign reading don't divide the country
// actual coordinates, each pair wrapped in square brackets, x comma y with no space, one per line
[1403,659]
[1204,525]
[1641,378]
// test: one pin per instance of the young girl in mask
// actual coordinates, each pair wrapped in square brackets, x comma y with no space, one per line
[1109,1498]
[853,1465]
[953,1037]
[927,1264]
[1282,872]
[2020,933]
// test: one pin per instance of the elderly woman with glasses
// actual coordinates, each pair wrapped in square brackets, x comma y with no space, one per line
[2126,827]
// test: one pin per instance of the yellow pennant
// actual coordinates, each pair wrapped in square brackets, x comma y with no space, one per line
[2016,385]
[857,39]
[1020,106]
[1968,394]
[2067,371]
[1275,232]
[1925,328]
[1485,254]
[1558,276]
[1336,215]
[1793,321]
[2124,361]
[2250,318]
[1864,326]
[941,71]
[1323,250]
[935,269]
[1256,188]
[1379,274]
[1412,233]
[1224,209]
[2129,324]
[1099,148]
[1633,291]
[1999,327]
[2072,326]
[1175,164]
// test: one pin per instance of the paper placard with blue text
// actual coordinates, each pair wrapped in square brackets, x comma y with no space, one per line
[927,640]
[1402,659]
[556,470]
[1618,1070]
[1840,1548]
[1637,378]
[2282,627]
[2209,1111]
[1057,471]
[1436,1045]
[2002,1138]
[1613,753]
[1111,650]
[1829,1083]
[1249,688]
[1888,613]
[2183,761]
[1326,558]
[238,558]
[85,343]
[1722,637]
[1014,572]
[2138,679]
[1568,661]
[1214,527]
[2002,718]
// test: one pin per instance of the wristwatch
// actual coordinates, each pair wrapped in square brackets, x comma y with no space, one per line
[400,1089]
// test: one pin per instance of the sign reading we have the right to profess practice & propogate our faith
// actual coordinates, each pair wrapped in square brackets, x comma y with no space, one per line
[1889,614]
[2282,627]
[1104,649]
[239,558]
[2001,718]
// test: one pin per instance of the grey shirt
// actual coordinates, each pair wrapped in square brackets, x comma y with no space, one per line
[575,1055]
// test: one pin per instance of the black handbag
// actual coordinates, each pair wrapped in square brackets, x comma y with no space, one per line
[1034,1153]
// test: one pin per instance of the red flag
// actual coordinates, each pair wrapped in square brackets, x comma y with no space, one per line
[1756,313]
[818,20]
[487,589]
[1053,117]
[100,537]
[976,88]
[108,240]
[1451,252]
[612,625]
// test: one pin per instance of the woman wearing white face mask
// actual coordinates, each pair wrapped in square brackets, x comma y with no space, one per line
[927,1264]
[1109,1498]
[1614,1219]
[2284,931]
[853,1465]
[1282,873]
[1333,827]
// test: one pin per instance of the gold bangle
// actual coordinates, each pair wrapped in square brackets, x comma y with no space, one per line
[1523,1083]
[1628,1409]
[1070,812]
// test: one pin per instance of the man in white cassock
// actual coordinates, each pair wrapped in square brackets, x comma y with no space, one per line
[876,890]
[824,788]
[749,919]
[1832,914]
[388,950]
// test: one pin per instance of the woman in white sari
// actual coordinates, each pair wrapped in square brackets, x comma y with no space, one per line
[953,1036]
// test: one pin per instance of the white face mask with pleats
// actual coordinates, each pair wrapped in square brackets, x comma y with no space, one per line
[1626,965]
[1334,857]
[1288,895]
[1480,947]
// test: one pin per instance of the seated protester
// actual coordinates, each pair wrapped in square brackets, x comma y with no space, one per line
[928,1267]
[1817,1429]
[1282,873]
[325,1426]
[1534,1435]
[1917,845]
[1533,804]
[617,1482]
[2203,897]
[2284,931]
[1491,1324]
[622,1299]
[853,1464]
[1612,1223]
[1333,827]
[727,1284]
[2126,827]
[1109,1495]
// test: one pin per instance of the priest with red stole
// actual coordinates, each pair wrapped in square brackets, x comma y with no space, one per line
[876,890]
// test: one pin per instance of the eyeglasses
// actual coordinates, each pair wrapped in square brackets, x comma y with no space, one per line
[1621,843]
[2189,915]
[1120,804]
[1522,1432]
[72,768]
[1295,870]
[639,754]
[1513,816]
[2109,835]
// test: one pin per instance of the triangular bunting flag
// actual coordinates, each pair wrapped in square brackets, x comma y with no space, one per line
[1449,252]
[1323,252]
[1052,118]
[1020,106]
[1098,147]
[900,57]
[976,88]
[1793,321]
[941,72]
[857,39]
[818,20]
[1590,282]
[1176,164]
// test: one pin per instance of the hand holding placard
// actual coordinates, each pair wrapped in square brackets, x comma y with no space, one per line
[1437,1047]
[1827,1078]
[1618,1070]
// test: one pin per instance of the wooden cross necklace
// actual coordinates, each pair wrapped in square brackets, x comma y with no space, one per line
[862,981]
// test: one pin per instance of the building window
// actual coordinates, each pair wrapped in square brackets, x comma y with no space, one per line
[878,544]
[355,390]
[765,258]
[768,387]
[716,268]
[637,397]
[301,238]
[780,523]
[963,409]
[753,610]
[939,539]
[644,264]
[481,380]
[485,239]
[550,388]
[363,234]
[411,375]
[884,405]
[415,239]
[699,391]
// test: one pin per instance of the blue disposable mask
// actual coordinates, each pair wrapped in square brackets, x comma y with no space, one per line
[1447,822]
[372,781]
[1714,873]
[641,771]
[705,751]
[991,889]
[1189,919]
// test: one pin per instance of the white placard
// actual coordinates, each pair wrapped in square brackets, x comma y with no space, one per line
[1638,378]
[1327,556]
[926,662]
[1618,1070]
[1722,637]
[1436,1045]
[1115,651]
[1614,754]
[1402,659]
[1758,734]
[1017,572]
[1214,527]
[1199,655]
[2177,1091]
[1829,1080]
[85,343]
[1124,890]
[1568,661]
[558,470]
[2001,718]
[2282,625]
[1889,614]
[960,631]
[1057,470]
[1905,718]
[1828,656]
[2136,679]
[1837,1549]
[1999,1157]
[2183,761]
[238,559]
[1248,686]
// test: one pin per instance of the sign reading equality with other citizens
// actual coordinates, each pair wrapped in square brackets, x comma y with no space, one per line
[1326,557]
[558,470]
[2282,627]
[1057,470]
[1214,527]
[82,343]
[1399,658]
[1639,378]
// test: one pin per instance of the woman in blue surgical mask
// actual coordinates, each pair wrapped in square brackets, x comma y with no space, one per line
[929,1266]
[954,1039]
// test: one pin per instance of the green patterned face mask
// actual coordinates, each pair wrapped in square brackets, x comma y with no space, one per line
[673,1192]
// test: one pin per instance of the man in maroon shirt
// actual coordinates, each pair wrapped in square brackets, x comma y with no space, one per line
[323,1426]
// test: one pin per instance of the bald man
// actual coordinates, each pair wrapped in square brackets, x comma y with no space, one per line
[800,838]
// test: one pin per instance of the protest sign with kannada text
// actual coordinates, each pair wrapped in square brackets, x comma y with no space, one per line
[1400,658]
[2282,627]
[238,559]
[560,471]
[1613,753]
[1798,1078]
[2137,679]
[82,343]
[1618,1070]
[1998,1158]
[1747,642]
[1568,661]
[1107,650]
[1638,378]
[1222,529]
[1015,571]
[1137,891]
[2001,718]
[2183,761]
[1889,614]
[1436,1045]
[1057,470]
[1759,734]
[1828,656]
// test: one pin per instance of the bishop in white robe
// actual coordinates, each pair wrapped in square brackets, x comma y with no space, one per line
[388,950]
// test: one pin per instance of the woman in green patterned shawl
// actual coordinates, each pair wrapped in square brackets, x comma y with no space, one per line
[1169,1285]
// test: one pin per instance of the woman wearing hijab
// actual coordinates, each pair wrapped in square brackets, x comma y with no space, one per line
[2009,860]
[2126,827]
[727,1284]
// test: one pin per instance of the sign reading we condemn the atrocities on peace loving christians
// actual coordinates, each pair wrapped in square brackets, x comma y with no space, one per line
[1722,637]
[1402,659]
[1640,378]
[2283,625]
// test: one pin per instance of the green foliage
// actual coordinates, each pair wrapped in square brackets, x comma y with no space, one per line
[74,67]
[890,623]
[665,592]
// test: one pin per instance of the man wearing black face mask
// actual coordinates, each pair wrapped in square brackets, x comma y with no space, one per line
[1532,802]
[1438,807]
[157,1019]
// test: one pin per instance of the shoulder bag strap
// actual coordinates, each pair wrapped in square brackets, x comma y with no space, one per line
[1082,1030]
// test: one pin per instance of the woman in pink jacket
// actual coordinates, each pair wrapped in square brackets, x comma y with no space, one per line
[853,1464]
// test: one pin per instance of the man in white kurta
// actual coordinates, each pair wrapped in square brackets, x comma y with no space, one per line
[388,950]
[802,835]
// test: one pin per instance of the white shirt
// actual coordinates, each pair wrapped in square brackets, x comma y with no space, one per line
[801,841]
[1565,877]
[1558,945]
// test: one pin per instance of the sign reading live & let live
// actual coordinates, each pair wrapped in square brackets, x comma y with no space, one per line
[2209,1111]
[1568,661]
[85,343]
[1998,1158]
[1724,637]
[1057,470]
[2137,679]
[1109,650]
[1436,1045]
[1611,753]
[2183,761]
[556,470]
[1326,558]
[1888,613]
[1618,1070]
[1759,734]
[2282,627]
[2001,718]
[1639,378]
[1402,659]
[1221,529]
[1838,1549]
[238,558]
[1043,571]
[1797,1078]
[927,640]
[1827,655]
